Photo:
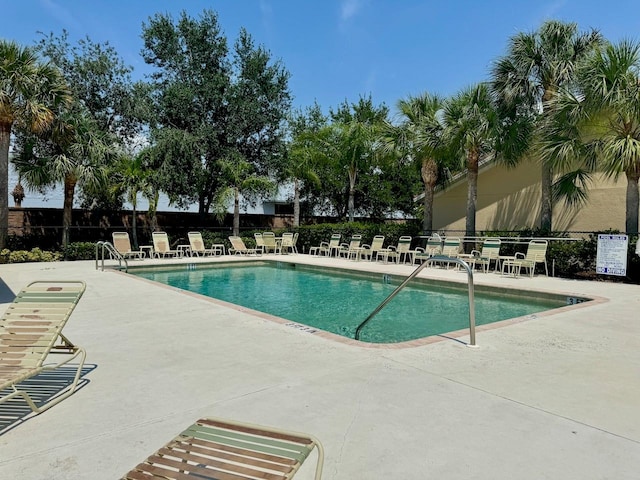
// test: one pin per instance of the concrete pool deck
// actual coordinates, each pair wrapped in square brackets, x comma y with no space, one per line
[552,397]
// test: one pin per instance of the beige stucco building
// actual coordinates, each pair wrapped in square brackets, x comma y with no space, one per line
[509,199]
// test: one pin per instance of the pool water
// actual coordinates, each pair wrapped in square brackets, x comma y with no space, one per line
[339,302]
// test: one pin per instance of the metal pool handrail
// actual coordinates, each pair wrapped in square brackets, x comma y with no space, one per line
[102,246]
[437,258]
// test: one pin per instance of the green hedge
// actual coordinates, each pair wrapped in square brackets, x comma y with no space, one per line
[33,255]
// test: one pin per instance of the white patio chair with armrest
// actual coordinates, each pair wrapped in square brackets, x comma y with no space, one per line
[161,245]
[371,251]
[239,248]
[490,253]
[122,244]
[402,250]
[350,249]
[432,248]
[196,243]
[536,253]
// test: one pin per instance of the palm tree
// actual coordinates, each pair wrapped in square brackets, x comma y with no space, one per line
[537,66]
[72,151]
[419,138]
[598,127]
[471,130]
[132,175]
[30,93]
[241,180]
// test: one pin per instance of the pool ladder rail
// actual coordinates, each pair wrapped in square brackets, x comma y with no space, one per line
[102,247]
[437,258]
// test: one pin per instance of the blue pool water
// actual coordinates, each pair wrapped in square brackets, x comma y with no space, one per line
[338,302]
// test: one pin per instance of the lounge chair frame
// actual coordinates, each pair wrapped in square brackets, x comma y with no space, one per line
[239,248]
[122,244]
[214,448]
[162,247]
[196,243]
[30,330]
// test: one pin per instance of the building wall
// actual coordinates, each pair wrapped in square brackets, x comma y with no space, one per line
[509,199]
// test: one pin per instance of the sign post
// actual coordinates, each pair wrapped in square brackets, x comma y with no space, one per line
[611,258]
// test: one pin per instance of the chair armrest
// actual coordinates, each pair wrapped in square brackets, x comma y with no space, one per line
[520,256]
[366,246]
[324,244]
[419,250]
[391,248]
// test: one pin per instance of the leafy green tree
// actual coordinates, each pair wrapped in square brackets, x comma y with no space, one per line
[210,103]
[472,132]
[596,126]
[418,137]
[30,93]
[100,81]
[538,65]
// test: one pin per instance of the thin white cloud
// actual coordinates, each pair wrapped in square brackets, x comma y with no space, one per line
[349,9]
[60,13]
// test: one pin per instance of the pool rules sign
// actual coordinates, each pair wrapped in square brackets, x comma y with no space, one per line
[611,258]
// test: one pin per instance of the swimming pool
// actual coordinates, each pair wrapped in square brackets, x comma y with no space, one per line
[338,301]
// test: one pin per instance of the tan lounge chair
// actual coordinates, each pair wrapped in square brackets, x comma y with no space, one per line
[197,245]
[161,245]
[327,248]
[30,330]
[217,449]
[270,244]
[239,248]
[122,244]
[371,251]
[286,244]
[259,241]
[536,253]
[352,248]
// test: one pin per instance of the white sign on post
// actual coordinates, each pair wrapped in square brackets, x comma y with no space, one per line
[611,258]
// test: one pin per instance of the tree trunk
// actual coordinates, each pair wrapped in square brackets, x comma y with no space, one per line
[429,172]
[134,225]
[352,195]
[296,202]
[236,212]
[546,206]
[633,201]
[67,210]
[472,196]
[5,140]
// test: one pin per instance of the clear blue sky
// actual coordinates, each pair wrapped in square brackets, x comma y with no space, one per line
[335,50]
[339,49]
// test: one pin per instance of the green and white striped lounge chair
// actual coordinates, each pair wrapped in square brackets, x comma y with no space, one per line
[490,253]
[217,449]
[371,251]
[31,330]
[536,253]
[432,248]
[451,248]
[327,248]
[402,250]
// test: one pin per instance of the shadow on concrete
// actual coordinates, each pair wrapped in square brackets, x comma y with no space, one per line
[41,388]
[6,295]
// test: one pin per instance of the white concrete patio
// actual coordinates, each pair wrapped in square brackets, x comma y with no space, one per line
[555,397]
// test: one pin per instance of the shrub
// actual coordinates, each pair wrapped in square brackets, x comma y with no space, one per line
[80,251]
[23,256]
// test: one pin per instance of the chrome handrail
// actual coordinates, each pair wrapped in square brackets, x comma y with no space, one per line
[108,246]
[437,258]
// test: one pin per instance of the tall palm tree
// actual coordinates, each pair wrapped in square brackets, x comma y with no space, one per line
[300,168]
[597,127]
[419,138]
[471,129]
[72,151]
[132,177]
[30,93]
[538,65]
